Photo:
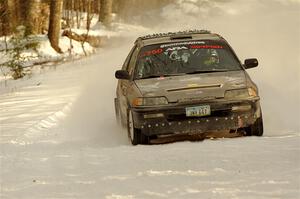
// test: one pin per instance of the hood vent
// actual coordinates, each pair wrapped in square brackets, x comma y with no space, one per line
[195,87]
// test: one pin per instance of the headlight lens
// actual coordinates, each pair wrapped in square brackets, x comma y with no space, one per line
[252,92]
[240,93]
[149,101]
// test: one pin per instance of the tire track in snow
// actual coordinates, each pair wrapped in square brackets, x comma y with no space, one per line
[33,108]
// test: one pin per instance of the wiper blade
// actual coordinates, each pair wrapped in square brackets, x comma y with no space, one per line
[162,75]
[175,74]
[151,76]
[207,71]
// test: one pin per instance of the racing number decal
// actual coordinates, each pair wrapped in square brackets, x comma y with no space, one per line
[152,52]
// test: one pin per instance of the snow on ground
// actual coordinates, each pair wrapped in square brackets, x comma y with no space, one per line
[44,52]
[59,139]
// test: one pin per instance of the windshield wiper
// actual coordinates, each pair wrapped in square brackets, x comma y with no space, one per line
[150,76]
[207,71]
[162,75]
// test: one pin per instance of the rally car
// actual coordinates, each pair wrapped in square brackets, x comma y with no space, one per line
[188,82]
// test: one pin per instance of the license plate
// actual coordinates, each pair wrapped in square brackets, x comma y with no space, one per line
[197,111]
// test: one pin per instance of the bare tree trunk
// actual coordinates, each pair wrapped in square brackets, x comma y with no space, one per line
[99,9]
[72,13]
[76,7]
[33,17]
[66,12]
[8,20]
[105,12]
[20,11]
[3,18]
[88,15]
[98,4]
[44,18]
[55,24]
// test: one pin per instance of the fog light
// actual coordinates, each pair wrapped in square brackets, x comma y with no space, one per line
[156,115]
[241,108]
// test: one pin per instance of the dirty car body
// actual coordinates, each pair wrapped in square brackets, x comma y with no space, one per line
[186,83]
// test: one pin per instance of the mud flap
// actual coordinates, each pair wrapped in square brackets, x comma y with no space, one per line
[117,112]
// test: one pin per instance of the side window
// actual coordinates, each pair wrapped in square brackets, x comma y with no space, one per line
[125,65]
[132,61]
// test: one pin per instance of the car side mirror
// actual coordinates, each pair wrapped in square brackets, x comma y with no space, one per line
[250,63]
[122,74]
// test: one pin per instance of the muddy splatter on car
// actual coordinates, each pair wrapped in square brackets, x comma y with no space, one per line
[186,83]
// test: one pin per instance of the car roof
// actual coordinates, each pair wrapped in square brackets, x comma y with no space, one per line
[171,37]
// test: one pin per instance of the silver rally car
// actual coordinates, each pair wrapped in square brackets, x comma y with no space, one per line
[189,82]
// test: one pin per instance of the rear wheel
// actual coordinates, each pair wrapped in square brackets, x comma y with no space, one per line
[256,129]
[135,135]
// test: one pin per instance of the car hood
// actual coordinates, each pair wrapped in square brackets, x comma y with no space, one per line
[203,86]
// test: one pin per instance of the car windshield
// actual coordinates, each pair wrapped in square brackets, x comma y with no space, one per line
[183,58]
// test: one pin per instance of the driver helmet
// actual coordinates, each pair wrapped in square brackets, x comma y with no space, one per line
[214,58]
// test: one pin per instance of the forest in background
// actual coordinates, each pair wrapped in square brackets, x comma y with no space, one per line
[22,21]
[37,15]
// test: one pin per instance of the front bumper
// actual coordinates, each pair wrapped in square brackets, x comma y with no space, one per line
[174,119]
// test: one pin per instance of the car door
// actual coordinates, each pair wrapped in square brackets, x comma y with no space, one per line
[124,85]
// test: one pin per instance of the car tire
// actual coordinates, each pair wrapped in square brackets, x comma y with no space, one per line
[256,129]
[135,135]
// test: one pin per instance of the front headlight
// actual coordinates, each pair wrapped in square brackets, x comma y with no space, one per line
[240,93]
[252,92]
[149,101]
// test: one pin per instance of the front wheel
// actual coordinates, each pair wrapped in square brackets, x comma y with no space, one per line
[256,129]
[135,135]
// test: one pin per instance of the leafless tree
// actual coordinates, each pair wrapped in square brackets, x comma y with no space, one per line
[55,23]
[32,17]
[6,20]
[106,11]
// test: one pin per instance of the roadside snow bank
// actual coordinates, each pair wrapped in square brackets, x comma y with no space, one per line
[25,53]
[43,52]
[68,47]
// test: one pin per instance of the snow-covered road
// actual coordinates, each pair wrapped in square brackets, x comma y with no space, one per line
[235,168]
[59,138]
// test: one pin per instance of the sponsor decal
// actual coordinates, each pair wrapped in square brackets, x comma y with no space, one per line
[182,43]
[176,48]
[206,46]
[179,46]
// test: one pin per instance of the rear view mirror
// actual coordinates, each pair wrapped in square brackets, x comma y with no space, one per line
[122,74]
[250,63]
